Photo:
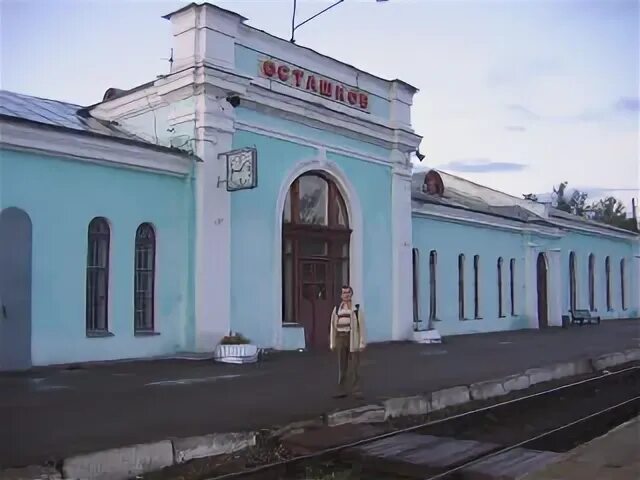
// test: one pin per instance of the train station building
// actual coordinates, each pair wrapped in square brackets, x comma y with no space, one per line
[240,191]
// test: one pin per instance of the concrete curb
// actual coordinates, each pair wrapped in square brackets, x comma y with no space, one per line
[126,462]
[185,449]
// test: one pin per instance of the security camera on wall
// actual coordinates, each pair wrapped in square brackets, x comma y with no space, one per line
[234,100]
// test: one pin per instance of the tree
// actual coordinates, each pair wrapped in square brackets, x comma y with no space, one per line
[561,201]
[576,203]
[610,210]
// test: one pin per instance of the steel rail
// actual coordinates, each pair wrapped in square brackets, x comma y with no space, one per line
[530,440]
[331,450]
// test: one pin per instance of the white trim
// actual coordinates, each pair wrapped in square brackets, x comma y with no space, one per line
[554,287]
[482,223]
[401,245]
[77,146]
[354,210]
[595,230]
[292,137]
[530,298]
[212,266]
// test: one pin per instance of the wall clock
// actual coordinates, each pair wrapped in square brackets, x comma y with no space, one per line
[242,169]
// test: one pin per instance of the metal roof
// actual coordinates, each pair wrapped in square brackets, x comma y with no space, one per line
[460,199]
[57,114]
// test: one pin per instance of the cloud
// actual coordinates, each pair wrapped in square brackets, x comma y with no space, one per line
[523,112]
[482,165]
[515,128]
[623,106]
[517,72]
[627,105]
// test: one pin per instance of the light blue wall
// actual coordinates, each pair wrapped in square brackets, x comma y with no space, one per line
[61,197]
[248,62]
[450,239]
[373,184]
[253,229]
[601,247]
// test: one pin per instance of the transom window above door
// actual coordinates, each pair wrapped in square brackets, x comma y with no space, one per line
[314,201]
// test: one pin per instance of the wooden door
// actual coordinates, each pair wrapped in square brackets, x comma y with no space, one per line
[316,301]
[543,309]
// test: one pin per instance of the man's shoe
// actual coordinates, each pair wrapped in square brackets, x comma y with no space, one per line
[340,395]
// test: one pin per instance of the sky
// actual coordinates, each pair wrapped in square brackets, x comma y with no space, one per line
[517,95]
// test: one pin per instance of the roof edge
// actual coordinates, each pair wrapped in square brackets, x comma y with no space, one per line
[127,141]
[203,4]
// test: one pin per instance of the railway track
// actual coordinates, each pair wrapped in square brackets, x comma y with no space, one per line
[554,420]
[600,416]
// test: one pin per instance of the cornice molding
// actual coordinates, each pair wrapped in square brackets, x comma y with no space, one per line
[302,140]
[89,148]
[528,229]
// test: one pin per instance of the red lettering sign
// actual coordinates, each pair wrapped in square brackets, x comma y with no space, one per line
[298,74]
[364,100]
[283,73]
[295,77]
[311,83]
[326,88]
[269,68]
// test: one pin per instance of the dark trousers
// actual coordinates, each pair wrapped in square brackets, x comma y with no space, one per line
[348,365]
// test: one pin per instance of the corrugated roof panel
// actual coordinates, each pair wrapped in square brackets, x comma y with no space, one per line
[59,114]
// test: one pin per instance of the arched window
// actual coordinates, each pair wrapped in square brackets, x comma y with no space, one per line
[144,279]
[572,281]
[314,200]
[512,285]
[315,254]
[415,258]
[592,282]
[97,288]
[461,286]
[607,270]
[623,297]
[433,287]
[500,303]
[476,286]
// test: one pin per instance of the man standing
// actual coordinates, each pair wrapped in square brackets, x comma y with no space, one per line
[347,338]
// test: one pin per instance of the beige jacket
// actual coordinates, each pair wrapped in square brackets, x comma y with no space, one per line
[357,341]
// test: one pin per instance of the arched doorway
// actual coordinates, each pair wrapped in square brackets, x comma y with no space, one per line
[543,308]
[315,254]
[15,289]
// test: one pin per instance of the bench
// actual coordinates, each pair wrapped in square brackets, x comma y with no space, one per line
[582,316]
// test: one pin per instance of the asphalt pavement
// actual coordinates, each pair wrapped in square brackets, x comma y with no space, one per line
[50,413]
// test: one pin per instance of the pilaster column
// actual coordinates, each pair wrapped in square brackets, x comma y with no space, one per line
[402,306]
[212,264]
[530,282]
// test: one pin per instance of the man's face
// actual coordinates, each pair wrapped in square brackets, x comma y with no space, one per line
[346,295]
